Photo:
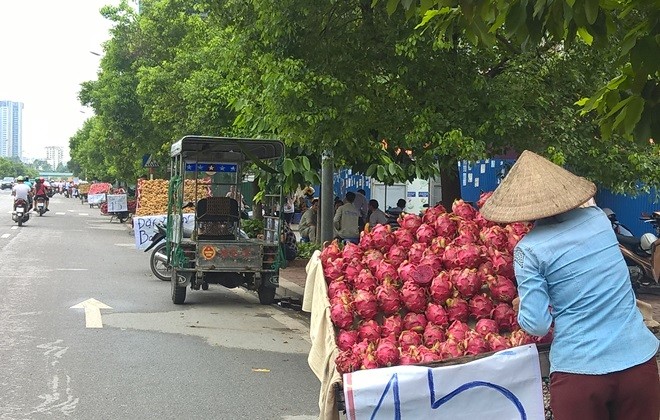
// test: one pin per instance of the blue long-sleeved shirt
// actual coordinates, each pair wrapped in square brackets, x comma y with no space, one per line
[572,263]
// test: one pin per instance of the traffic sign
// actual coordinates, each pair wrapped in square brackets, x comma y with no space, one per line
[149,162]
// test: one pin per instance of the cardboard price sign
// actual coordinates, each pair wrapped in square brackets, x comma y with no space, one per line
[117,203]
[144,227]
[506,385]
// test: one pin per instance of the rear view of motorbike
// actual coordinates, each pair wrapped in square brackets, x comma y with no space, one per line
[20,214]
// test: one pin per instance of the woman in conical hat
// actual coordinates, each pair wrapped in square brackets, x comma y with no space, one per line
[570,273]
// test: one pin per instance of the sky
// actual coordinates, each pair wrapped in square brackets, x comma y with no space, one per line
[45,54]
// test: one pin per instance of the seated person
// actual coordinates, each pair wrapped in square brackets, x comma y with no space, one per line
[289,242]
[376,215]
[346,220]
[307,225]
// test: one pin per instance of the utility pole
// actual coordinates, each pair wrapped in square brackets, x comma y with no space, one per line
[327,196]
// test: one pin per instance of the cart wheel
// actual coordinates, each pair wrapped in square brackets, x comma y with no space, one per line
[159,268]
[178,292]
[266,295]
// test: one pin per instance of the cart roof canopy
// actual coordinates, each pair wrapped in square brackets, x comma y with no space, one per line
[227,148]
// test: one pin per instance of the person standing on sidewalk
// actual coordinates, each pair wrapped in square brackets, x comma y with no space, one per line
[346,220]
[376,215]
[570,273]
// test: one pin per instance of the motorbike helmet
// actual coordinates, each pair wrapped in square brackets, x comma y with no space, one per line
[646,242]
[41,178]
[609,213]
[20,179]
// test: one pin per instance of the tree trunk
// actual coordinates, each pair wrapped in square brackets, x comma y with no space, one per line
[451,186]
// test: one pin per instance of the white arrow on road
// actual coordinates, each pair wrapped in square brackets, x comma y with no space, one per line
[92,309]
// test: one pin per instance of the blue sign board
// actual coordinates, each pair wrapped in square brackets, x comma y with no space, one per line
[423,194]
[211,167]
[412,194]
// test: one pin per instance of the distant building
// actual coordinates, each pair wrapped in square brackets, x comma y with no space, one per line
[11,129]
[54,156]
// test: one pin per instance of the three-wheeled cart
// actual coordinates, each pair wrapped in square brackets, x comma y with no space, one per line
[206,173]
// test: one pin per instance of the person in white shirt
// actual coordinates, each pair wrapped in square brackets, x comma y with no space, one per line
[376,215]
[20,191]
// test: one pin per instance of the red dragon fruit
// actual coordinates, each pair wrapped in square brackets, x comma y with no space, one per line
[409,356]
[330,252]
[385,271]
[451,348]
[467,281]
[519,228]
[414,322]
[437,314]
[336,288]
[388,298]
[352,252]
[458,309]
[409,338]
[505,316]
[347,361]
[392,326]
[437,247]
[369,330]
[494,237]
[365,304]
[352,269]
[425,233]
[497,342]
[463,209]
[369,358]
[475,344]
[464,256]
[416,252]
[387,353]
[468,233]
[410,221]
[446,226]
[334,269]
[432,213]
[397,255]
[501,288]
[457,330]
[382,237]
[428,355]
[433,334]
[421,274]
[371,259]
[487,326]
[346,339]
[414,297]
[480,220]
[483,197]
[480,306]
[502,263]
[441,287]
[433,260]
[519,338]
[404,238]
[365,280]
[341,314]
[366,240]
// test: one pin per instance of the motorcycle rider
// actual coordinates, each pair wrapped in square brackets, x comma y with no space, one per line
[41,190]
[20,191]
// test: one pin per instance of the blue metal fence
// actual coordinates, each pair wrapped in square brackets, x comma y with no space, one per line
[481,176]
[346,180]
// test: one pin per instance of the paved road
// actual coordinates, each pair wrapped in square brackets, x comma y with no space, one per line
[219,356]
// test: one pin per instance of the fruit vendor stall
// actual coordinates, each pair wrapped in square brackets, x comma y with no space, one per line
[96,195]
[428,303]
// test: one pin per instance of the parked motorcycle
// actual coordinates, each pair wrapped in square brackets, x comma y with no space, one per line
[20,214]
[158,259]
[41,206]
[642,254]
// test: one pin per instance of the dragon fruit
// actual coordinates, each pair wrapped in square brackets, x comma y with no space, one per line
[396,255]
[519,338]
[505,316]
[347,361]
[409,356]
[463,209]
[463,256]
[382,237]
[352,252]
[437,247]
[416,252]
[330,252]
[387,353]
[480,306]
[366,240]
[414,297]
[502,263]
[341,315]
[388,298]
[437,314]
[432,213]
[346,339]
[365,280]
[433,334]
[468,233]
[410,221]
[371,259]
[404,238]
[497,342]
[414,322]
[369,359]
[353,268]
[336,288]
[467,281]
[475,344]
[487,326]
[494,237]
[433,260]
[446,226]
[425,233]
[392,326]
[519,228]
[334,269]
[441,287]
[501,288]
[457,330]
[409,338]
[365,304]
[482,222]
[483,197]
[421,274]
[369,330]
[451,348]
[458,309]
[427,355]
[385,271]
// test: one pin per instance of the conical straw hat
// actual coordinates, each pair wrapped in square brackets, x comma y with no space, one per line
[536,188]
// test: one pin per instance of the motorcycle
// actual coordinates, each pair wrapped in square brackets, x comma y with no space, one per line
[158,259]
[41,206]
[642,254]
[20,214]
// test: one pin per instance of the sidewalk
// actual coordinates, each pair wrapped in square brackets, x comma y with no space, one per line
[292,280]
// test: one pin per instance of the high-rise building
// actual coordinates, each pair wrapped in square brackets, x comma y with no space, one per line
[11,129]
[54,156]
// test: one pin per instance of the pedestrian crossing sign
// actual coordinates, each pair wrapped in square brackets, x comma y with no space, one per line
[149,162]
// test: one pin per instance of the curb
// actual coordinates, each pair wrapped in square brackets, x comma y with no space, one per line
[289,289]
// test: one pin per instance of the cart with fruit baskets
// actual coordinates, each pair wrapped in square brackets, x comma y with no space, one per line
[435,292]
[96,195]
[118,212]
[83,190]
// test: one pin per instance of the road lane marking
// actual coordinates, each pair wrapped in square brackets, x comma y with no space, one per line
[14,227]
[126,245]
[92,309]
[72,269]
[6,235]
[83,214]
[60,213]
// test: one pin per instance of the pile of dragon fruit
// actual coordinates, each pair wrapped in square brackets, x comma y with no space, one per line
[440,286]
